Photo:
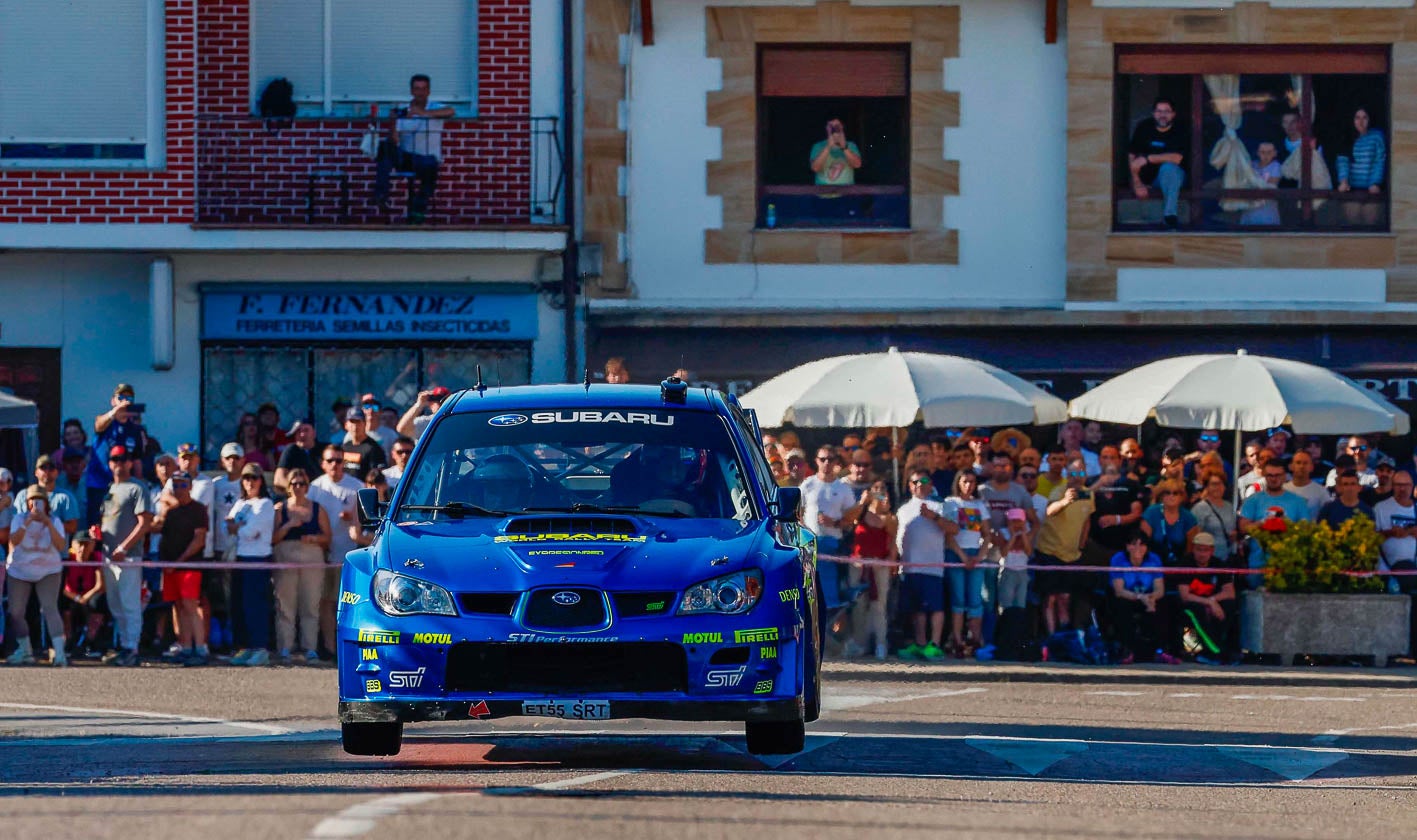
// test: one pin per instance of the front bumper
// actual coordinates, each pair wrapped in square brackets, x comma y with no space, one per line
[410,711]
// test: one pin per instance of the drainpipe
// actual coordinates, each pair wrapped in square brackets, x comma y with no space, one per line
[569,269]
[160,311]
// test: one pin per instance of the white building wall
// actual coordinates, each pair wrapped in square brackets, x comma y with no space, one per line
[94,307]
[1010,212]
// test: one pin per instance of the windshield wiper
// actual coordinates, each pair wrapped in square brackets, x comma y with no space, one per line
[586,507]
[457,510]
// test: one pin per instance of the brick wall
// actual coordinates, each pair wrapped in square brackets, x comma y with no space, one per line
[130,196]
[225,167]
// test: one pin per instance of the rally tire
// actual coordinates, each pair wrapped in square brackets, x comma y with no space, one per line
[812,673]
[776,737]
[372,738]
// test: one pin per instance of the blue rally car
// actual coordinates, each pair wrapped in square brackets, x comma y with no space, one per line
[585,553]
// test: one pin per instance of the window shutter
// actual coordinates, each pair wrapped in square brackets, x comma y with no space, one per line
[824,71]
[72,74]
[378,45]
[288,40]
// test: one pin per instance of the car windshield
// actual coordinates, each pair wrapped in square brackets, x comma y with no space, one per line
[656,463]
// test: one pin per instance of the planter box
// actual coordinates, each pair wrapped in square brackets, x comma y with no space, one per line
[1374,625]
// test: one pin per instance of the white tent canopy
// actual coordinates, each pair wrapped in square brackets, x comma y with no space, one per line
[16,412]
[896,389]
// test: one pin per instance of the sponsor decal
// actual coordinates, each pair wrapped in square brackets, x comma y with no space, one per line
[567,709]
[348,598]
[703,638]
[793,595]
[507,420]
[478,710]
[632,417]
[413,563]
[406,679]
[655,606]
[373,686]
[369,654]
[760,634]
[763,687]
[534,538]
[432,638]
[725,677]
[539,639]
[566,552]
[379,637]
[767,653]
[566,598]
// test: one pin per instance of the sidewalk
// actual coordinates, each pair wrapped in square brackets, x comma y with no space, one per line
[1059,672]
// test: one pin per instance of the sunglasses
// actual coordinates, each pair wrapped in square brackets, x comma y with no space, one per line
[1028,475]
[49,467]
[1357,449]
[299,484]
[1076,474]
[1210,438]
[373,406]
[855,464]
[403,451]
[920,482]
[332,460]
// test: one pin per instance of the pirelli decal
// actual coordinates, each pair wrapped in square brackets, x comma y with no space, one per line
[383,637]
[761,634]
[539,538]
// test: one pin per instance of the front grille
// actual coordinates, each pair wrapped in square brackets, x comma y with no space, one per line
[637,604]
[487,603]
[547,609]
[595,667]
[572,525]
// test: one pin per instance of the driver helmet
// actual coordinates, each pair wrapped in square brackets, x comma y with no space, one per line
[505,483]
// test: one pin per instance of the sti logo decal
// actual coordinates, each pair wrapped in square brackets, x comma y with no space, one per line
[507,420]
[631,417]
[725,678]
[406,679]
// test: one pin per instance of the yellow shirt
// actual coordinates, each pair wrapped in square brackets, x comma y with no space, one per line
[1062,531]
[1046,486]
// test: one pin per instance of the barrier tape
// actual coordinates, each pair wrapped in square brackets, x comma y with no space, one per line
[194,565]
[1079,567]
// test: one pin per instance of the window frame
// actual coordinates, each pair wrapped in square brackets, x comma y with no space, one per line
[1196,60]
[326,106]
[762,190]
[154,144]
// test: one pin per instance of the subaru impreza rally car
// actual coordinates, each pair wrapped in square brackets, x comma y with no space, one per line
[586,553]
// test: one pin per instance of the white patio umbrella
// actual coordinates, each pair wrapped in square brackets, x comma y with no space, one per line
[896,389]
[1240,393]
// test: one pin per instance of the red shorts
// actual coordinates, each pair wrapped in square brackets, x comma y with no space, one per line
[181,584]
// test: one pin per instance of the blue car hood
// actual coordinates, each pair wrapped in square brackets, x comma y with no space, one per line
[474,555]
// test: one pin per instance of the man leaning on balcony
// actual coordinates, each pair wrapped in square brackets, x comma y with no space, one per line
[414,144]
[1157,155]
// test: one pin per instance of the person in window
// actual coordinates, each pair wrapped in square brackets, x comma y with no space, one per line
[1157,156]
[1363,169]
[414,144]
[835,159]
[1268,169]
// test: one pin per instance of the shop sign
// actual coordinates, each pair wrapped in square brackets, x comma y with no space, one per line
[346,314]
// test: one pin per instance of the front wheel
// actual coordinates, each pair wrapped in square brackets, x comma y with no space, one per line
[776,737]
[372,738]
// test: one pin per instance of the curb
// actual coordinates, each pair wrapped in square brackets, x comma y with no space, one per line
[1065,673]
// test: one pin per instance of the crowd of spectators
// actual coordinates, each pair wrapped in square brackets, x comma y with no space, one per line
[988,554]
[111,495]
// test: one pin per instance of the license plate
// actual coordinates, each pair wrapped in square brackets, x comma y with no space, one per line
[567,709]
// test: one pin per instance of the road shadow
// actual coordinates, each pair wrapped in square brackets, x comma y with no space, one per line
[1168,675]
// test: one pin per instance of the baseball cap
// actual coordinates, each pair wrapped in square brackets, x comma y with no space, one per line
[187,449]
[119,453]
[796,453]
[36,492]
[439,392]
[123,388]
[295,427]
[1016,515]
[1203,539]
[252,469]
[183,475]
[45,460]
[233,448]
[1386,461]
[364,398]
[354,414]
[6,475]
[1277,431]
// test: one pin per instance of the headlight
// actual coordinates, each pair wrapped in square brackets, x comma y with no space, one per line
[401,595]
[729,595]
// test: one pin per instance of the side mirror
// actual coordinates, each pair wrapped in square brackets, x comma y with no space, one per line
[368,507]
[786,506]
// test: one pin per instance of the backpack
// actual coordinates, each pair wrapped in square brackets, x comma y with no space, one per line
[277,100]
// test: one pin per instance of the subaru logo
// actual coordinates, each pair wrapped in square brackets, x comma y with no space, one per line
[507,420]
[566,599]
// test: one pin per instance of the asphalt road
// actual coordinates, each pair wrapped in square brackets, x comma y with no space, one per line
[902,751]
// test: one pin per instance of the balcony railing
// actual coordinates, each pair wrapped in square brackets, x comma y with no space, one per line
[500,172]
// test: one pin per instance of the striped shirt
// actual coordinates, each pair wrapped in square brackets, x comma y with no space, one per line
[1369,162]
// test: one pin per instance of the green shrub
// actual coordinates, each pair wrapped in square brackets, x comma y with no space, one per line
[1311,556]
